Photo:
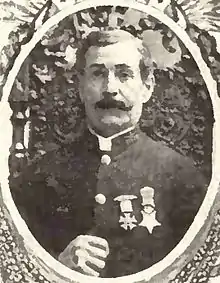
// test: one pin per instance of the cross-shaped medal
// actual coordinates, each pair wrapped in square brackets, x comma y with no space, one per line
[127,220]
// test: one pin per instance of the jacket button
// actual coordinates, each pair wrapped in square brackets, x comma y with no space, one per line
[106,159]
[100,198]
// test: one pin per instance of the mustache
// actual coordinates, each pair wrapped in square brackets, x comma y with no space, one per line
[112,104]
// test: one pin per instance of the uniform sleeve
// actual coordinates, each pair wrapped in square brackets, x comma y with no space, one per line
[189,190]
[36,201]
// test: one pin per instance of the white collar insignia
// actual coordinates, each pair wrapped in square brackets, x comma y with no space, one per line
[105,144]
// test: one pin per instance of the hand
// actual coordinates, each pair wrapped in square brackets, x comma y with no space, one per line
[86,254]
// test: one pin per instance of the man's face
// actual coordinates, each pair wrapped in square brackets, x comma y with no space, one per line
[111,87]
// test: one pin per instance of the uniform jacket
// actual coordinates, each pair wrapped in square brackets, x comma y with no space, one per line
[56,197]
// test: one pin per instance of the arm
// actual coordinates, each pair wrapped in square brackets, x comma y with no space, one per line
[188,194]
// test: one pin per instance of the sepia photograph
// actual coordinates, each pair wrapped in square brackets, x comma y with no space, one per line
[112,157]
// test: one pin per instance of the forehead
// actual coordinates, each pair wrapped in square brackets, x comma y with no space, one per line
[125,52]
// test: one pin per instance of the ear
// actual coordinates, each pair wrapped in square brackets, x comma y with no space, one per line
[149,87]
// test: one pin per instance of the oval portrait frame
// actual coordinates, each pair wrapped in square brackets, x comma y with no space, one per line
[195,235]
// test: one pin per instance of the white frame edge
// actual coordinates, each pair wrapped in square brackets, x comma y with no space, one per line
[6,140]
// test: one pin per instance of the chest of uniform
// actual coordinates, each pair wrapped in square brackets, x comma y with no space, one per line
[130,196]
[125,193]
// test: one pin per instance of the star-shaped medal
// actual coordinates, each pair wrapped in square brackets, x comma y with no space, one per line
[149,221]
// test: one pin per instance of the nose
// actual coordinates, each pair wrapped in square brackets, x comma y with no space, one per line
[110,88]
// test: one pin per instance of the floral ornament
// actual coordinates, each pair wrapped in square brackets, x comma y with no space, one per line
[203,14]
[16,265]
[180,11]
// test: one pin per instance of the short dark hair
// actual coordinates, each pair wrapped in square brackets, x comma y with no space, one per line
[108,37]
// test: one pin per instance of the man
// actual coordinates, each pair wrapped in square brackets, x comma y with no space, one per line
[129,200]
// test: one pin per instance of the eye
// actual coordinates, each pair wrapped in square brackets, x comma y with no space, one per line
[97,73]
[124,75]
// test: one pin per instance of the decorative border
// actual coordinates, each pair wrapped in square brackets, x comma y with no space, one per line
[24,260]
[16,264]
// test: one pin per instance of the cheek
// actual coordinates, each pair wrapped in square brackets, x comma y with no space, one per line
[132,90]
[92,90]
[136,112]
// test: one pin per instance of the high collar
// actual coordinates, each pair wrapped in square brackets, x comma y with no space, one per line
[106,143]
[113,145]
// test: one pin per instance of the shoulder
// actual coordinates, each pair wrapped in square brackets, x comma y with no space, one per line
[157,151]
[167,160]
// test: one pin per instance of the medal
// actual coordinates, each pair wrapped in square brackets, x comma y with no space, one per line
[127,220]
[149,213]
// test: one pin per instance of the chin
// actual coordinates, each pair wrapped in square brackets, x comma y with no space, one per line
[114,121]
[112,125]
